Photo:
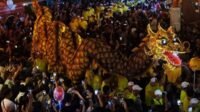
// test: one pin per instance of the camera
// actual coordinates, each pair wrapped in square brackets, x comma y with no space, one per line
[178,102]
[30,91]
[44,92]
[54,74]
[25,38]
[16,46]
[43,81]
[7,41]
[82,82]
[109,103]
[52,79]
[190,109]
[121,100]
[96,92]
[81,102]
[61,80]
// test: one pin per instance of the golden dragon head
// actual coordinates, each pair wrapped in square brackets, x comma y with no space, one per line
[165,45]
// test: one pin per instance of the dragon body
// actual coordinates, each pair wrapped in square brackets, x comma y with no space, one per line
[54,41]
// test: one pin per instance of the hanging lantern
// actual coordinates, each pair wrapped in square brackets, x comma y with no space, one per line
[10,4]
[58,93]
[194,63]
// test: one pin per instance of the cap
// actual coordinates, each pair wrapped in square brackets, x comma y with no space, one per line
[185,84]
[158,92]
[194,101]
[153,79]
[130,83]
[136,87]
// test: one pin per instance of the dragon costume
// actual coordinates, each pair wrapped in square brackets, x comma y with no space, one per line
[54,41]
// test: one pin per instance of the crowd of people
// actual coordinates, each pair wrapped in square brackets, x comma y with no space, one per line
[25,87]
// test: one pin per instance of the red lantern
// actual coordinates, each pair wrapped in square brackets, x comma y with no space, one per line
[58,94]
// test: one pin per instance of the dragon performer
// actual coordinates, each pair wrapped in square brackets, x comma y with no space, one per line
[54,42]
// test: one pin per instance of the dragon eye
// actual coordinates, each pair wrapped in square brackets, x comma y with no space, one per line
[163,41]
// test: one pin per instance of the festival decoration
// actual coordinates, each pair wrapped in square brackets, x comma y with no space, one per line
[58,93]
[10,4]
[165,45]
[54,40]
[194,63]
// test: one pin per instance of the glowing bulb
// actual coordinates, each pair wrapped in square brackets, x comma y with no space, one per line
[24,4]
[54,74]
[10,4]
[120,38]
[7,41]
[16,46]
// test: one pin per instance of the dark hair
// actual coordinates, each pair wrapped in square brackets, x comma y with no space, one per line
[23,100]
[99,109]
[106,89]
[5,91]
[1,81]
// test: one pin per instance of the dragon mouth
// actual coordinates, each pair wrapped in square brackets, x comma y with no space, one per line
[173,58]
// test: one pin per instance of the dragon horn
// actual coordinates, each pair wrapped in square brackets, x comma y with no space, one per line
[150,31]
[170,29]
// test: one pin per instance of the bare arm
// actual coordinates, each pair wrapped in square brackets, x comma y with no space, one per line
[100,101]
[78,94]
[16,73]
[124,104]
[83,108]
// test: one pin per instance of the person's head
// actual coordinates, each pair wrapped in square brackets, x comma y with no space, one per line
[136,89]
[106,90]
[153,81]
[68,98]
[194,101]
[8,106]
[113,83]
[130,85]
[23,100]
[158,93]
[89,92]
[184,85]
